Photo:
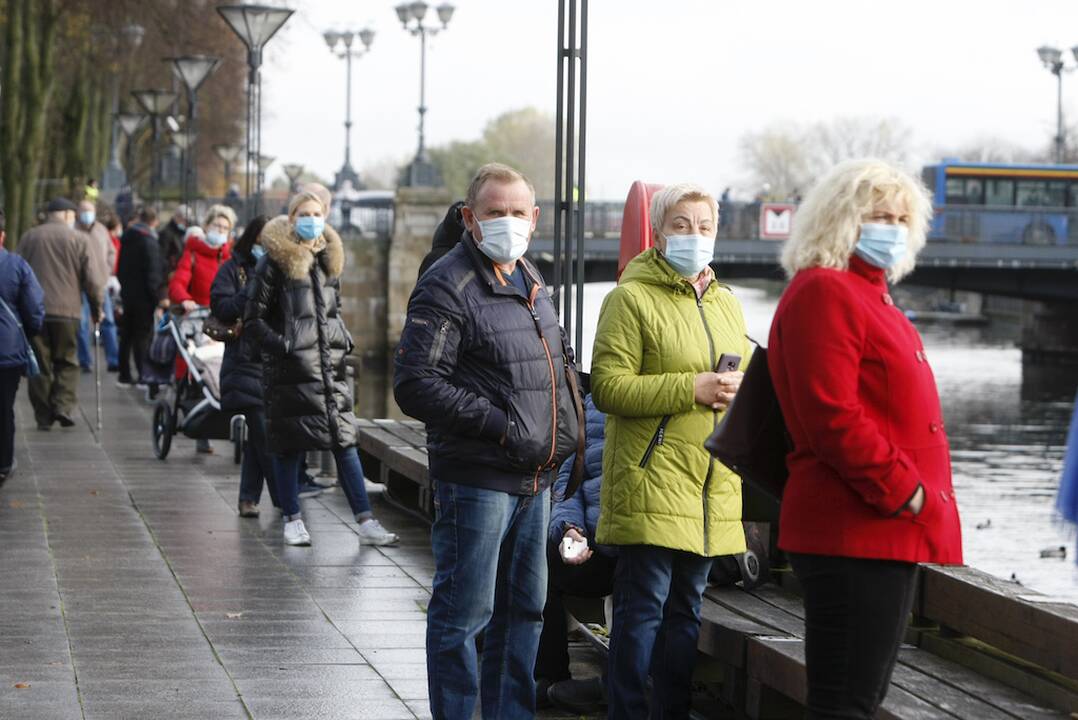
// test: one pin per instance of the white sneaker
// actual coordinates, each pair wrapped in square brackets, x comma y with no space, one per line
[295,533]
[371,532]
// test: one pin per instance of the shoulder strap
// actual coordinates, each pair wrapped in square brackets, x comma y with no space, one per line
[576,478]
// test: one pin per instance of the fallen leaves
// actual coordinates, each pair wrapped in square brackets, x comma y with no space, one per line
[234,616]
[22,686]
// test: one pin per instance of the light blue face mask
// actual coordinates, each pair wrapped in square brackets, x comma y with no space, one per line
[257,251]
[689,254]
[881,244]
[310,227]
[216,239]
[87,217]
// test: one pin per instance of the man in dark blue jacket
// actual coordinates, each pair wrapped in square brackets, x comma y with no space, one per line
[23,305]
[482,361]
[141,291]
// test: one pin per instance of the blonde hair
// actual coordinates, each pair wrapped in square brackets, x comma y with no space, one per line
[221,211]
[827,223]
[671,195]
[498,173]
[304,196]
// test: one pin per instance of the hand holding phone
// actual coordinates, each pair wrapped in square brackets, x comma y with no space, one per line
[728,362]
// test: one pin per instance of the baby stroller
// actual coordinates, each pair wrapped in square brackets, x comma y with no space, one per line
[193,407]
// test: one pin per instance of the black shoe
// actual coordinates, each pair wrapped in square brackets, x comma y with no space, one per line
[65,420]
[308,489]
[542,698]
[581,697]
[113,369]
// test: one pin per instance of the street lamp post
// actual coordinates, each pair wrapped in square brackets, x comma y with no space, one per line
[254,25]
[114,177]
[130,123]
[332,38]
[228,154]
[264,163]
[193,71]
[155,103]
[292,171]
[421,172]
[1052,58]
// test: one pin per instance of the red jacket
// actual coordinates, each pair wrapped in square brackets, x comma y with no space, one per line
[860,402]
[195,271]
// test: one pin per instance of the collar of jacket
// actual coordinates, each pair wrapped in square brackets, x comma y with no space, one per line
[868,271]
[484,268]
[650,267]
[283,247]
[201,247]
[143,229]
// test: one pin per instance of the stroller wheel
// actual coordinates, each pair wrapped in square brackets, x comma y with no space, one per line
[162,429]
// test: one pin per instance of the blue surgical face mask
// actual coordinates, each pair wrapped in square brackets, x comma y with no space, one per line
[257,251]
[216,239]
[181,226]
[505,239]
[310,227]
[87,217]
[689,254]
[881,244]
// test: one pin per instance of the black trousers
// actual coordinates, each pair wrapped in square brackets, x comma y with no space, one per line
[9,386]
[593,579]
[856,612]
[136,330]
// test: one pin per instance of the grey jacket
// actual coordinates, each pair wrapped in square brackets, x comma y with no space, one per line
[62,262]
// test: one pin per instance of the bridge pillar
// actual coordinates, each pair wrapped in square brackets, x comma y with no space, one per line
[1050,334]
[363,303]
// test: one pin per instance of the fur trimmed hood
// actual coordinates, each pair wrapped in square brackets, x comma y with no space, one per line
[295,260]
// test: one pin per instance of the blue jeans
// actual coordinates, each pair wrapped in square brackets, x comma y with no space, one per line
[657,594]
[490,577]
[108,335]
[257,463]
[286,468]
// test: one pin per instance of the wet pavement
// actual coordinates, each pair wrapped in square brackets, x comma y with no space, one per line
[129,588]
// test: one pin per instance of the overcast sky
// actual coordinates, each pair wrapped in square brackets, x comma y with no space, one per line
[673,84]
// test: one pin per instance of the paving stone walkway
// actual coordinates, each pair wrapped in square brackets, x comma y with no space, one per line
[129,588]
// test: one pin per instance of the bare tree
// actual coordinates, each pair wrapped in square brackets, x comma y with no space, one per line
[775,158]
[846,138]
[988,150]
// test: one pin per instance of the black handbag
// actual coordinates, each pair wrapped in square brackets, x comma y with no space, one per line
[752,439]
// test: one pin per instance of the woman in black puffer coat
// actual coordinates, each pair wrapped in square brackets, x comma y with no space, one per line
[241,370]
[293,317]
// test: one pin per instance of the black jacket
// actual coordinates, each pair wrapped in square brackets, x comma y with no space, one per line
[241,369]
[139,270]
[483,366]
[292,316]
[446,236]
[170,238]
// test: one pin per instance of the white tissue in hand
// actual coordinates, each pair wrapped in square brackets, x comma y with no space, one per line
[572,548]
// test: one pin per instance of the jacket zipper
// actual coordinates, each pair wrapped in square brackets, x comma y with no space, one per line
[714,418]
[327,380]
[439,343]
[656,440]
[553,389]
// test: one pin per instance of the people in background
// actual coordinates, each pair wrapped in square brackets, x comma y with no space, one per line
[63,263]
[869,493]
[22,314]
[139,273]
[482,362]
[668,506]
[103,255]
[293,318]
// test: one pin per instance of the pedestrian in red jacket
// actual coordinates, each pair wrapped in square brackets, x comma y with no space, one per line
[205,249]
[869,493]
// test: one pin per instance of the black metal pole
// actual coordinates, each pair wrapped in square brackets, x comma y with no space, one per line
[583,52]
[154,160]
[559,158]
[191,181]
[422,91]
[570,145]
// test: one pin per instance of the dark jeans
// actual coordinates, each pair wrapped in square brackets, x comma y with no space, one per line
[136,330]
[55,389]
[9,386]
[286,468]
[593,579]
[856,613]
[657,595]
[490,576]
[257,462]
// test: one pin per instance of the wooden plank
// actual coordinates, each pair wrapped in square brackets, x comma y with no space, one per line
[376,441]
[723,633]
[408,435]
[745,604]
[1002,614]
[409,463]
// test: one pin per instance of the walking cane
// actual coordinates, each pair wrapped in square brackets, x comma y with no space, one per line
[97,375]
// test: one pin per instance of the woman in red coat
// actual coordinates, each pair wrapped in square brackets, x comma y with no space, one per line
[205,250]
[869,493]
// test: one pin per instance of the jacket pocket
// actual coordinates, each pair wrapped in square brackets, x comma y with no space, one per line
[656,440]
[438,347]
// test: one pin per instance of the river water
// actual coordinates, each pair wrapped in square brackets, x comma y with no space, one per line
[1007,433]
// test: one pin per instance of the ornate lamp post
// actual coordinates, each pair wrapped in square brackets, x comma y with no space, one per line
[254,25]
[366,36]
[1052,58]
[114,177]
[130,124]
[228,154]
[421,172]
[155,103]
[193,71]
[292,171]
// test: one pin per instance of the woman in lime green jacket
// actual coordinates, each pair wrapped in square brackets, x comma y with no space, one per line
[655,372]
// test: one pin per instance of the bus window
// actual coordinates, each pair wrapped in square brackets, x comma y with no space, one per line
[974,188]
[1072,195]
[1031,193]
[1001,192]
[956,193]
[928,177]
[1056,193]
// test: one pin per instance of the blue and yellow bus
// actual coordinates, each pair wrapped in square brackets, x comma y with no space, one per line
[1000,203]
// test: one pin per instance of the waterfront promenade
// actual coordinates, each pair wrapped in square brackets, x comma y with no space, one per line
[129,588]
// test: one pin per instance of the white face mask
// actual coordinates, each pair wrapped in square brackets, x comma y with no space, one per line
[216,239]
[505,239]
[689,254]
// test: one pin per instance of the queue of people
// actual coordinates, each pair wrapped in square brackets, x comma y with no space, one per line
[540,490]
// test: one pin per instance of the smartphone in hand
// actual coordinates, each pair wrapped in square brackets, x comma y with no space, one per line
[728,362]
